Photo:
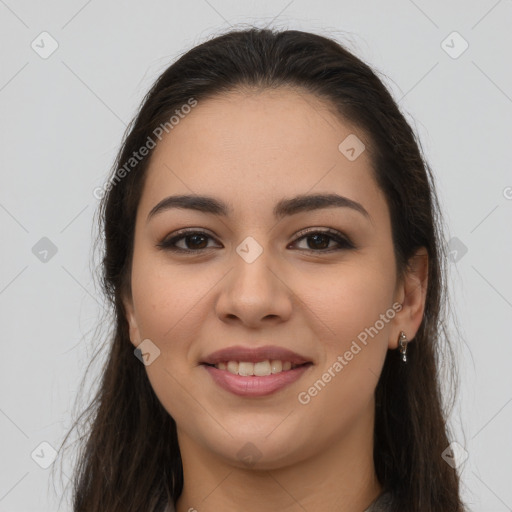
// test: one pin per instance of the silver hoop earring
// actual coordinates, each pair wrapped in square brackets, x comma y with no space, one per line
[402,343]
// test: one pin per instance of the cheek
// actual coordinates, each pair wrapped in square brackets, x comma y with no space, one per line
[350,300]
[170,310]
[167,300]
[356,313]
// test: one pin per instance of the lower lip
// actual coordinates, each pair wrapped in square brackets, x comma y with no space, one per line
[253,385]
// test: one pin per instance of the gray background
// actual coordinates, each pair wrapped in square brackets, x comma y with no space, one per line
[62,120]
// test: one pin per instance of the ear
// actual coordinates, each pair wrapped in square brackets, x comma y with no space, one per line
[411,292]
[131,319]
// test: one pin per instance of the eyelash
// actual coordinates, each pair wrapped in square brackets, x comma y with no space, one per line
[344,242]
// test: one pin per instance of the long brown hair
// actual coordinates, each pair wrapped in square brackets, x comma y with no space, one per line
[129,458]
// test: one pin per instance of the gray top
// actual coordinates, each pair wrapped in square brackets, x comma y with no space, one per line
[381,504]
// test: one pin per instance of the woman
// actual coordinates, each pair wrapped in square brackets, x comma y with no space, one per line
[273,258]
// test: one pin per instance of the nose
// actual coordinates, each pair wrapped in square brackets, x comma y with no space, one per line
[254,293]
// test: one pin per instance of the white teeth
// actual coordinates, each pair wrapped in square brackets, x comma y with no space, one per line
[276,365]
[233,367]
[245,369]
[260,369]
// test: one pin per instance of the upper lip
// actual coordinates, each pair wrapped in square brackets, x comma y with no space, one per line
[254,355]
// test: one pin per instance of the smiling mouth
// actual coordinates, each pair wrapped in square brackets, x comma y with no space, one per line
[258,369]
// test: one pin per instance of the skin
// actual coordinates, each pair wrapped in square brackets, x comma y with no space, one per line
[250,150]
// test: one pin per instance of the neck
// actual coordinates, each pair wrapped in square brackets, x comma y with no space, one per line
[341,477]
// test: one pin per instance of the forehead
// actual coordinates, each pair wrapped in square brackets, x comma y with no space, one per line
[253,145]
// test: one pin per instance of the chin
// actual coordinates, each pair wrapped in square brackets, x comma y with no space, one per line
[270,450]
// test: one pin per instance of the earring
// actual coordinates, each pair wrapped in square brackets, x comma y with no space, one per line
[402,342]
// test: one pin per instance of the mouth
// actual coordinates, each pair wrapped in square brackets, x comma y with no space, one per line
[258,369]
[255,372]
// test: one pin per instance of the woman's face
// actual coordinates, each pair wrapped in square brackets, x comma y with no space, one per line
[263,273]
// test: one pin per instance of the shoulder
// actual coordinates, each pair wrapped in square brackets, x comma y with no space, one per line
[381,504]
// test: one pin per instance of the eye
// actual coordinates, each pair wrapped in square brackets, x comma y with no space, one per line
[194,241]
[320,240]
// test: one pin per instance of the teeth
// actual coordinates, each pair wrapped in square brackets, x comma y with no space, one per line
[276,366]
[263,368]
[245,369]
[260,369]
[233,367]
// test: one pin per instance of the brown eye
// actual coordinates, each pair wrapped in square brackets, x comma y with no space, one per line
[320,241]
[191,241]
[196,241]
[317,241]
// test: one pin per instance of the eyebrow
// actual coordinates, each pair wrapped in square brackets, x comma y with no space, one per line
[285,207]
